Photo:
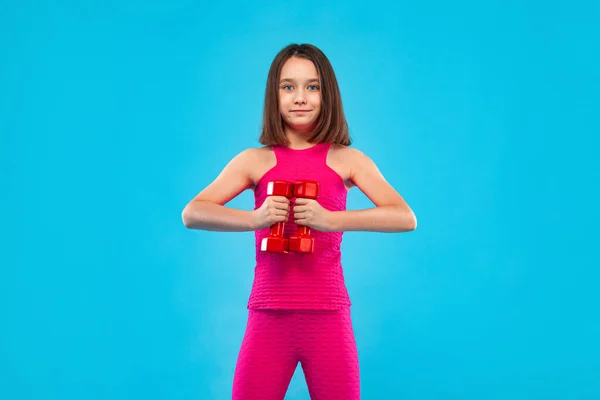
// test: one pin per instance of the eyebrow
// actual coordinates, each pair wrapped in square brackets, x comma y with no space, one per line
[292,80]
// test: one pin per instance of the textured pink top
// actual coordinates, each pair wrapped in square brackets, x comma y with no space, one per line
[302,280]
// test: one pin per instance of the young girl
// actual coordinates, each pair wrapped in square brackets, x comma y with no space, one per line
[299,308]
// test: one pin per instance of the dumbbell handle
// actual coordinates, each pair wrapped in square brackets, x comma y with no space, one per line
[277,229]
[303,230]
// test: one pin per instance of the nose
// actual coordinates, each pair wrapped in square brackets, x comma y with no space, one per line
[299,98]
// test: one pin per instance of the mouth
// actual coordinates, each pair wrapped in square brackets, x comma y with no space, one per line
[300,111]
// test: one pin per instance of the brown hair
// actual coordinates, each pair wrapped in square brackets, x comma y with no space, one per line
[331,125]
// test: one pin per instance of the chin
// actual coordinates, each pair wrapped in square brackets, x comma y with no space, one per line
[304,126]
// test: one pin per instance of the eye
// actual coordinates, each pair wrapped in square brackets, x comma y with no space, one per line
[285,87]
[313,87]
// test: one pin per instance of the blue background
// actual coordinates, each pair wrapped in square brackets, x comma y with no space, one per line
[483,115]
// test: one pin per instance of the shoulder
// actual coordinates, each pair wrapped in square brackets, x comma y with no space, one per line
[258,151]
[252,154]
[259,156]
[244,161]
[348,154]
[261,151]
[355,161]
[255,161]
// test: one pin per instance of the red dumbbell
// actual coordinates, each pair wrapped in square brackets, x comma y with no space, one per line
[275,242]
[302,242]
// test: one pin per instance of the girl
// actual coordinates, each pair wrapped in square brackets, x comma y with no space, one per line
[299,308]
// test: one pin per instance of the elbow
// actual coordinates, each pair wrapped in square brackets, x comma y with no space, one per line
[186,217]
[194,215]
[409,221]
[413,222]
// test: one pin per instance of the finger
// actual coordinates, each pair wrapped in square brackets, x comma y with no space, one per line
[302,201]
[301,215]
[280,206]
[300,208]
[280,199]
[280,218]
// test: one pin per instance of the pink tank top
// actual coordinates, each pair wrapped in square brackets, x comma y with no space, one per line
[302,280]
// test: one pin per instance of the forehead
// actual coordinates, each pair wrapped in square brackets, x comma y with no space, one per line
[299,68]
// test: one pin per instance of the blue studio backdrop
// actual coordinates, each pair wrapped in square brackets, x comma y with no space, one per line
[483,115]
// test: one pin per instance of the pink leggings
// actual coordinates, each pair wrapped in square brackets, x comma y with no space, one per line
[275,341]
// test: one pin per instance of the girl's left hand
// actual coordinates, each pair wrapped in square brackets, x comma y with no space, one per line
[310,213]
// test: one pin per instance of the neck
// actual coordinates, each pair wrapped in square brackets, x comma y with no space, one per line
[298,138]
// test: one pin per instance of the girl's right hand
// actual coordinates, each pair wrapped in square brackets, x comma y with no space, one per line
[273,209]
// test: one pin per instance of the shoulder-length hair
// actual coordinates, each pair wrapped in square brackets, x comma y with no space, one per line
[331,126]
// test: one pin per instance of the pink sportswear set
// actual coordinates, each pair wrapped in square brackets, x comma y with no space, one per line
[299,308]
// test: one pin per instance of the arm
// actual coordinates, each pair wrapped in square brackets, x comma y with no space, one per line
[207,210]
[391,214]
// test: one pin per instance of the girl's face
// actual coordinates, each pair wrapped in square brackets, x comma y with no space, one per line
[299,94]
